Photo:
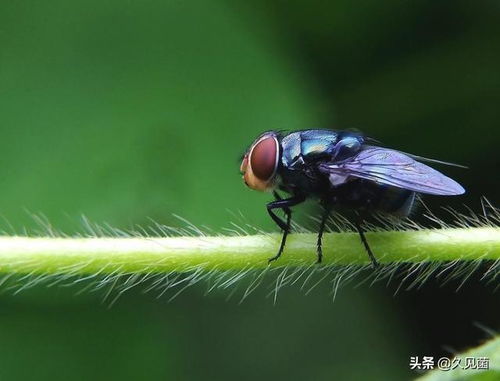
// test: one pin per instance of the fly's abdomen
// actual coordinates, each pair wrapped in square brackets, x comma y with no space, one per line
[370,196]
[396,201]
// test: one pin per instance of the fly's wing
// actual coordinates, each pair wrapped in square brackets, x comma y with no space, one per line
[394,168]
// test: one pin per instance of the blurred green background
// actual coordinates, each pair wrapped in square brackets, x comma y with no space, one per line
[131,111]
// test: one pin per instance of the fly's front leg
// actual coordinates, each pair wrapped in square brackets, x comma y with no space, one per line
[285,226]
[361,232]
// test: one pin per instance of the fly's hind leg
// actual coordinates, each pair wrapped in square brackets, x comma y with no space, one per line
[361,232]
[285,226]
[319,248]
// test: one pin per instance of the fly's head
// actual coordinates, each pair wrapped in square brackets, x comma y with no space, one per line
[260,163]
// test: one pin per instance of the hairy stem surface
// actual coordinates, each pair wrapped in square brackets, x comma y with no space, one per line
[162,255]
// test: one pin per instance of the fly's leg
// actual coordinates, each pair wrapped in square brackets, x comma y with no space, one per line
[324,218]
[365,243]
[288,213]
[285,226]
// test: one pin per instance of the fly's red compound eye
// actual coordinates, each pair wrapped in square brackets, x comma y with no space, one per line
[264,158]
[260,163]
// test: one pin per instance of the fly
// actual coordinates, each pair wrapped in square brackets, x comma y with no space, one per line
[338,168]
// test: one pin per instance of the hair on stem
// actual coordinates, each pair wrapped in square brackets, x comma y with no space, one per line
[167,261]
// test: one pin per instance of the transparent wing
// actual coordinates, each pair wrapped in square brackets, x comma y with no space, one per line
[394,168]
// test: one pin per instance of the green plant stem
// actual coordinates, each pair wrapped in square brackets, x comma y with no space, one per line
[160,255]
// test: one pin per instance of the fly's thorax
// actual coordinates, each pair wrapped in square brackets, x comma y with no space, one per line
[313,146]
[303,153]
[302,179]
[291,149]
